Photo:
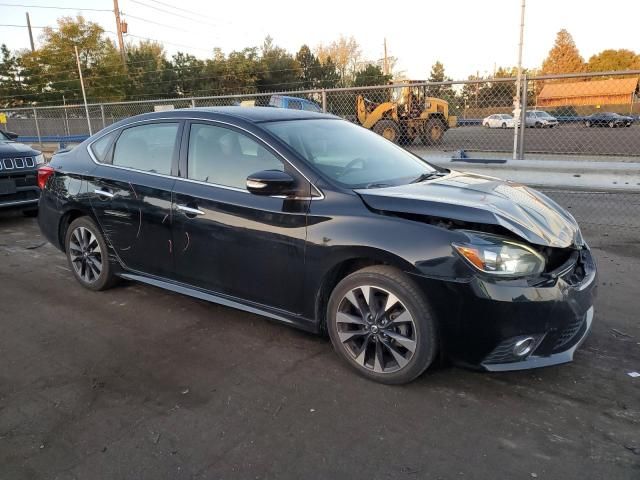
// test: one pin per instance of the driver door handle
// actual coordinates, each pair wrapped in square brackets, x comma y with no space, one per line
[103,193]
[189,210]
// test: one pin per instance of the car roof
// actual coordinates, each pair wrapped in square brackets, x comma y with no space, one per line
[248,114]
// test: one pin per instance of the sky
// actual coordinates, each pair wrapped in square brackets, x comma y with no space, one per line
[468,36]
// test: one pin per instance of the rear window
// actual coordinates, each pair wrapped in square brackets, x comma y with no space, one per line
[101,147]
[149,148]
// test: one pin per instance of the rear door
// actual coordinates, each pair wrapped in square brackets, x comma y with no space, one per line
[227,240]
[131,193]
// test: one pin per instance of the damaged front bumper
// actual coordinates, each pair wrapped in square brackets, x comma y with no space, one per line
[502,325]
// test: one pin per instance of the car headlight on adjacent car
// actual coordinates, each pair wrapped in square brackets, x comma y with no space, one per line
[39,159]
[499,256]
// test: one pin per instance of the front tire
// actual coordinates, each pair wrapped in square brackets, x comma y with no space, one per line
[388,129]
[612,124]
[380,324]
[88,255]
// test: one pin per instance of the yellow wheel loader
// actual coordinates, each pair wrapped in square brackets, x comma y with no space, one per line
[408,114]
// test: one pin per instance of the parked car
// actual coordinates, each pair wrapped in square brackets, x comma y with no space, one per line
[311,220]
[608,119]
[294,103]
[18,175]
[498,120]
[539,119]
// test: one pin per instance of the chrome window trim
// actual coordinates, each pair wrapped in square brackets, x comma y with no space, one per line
[207,120]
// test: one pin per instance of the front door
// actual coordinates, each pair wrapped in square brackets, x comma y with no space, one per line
[227,240]
[131,195]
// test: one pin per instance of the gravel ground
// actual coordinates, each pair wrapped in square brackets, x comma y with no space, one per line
[141,383]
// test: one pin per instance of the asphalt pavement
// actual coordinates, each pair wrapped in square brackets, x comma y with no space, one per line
[565,139]
[140,383]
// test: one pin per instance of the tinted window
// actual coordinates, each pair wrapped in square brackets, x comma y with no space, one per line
[311,107]
[100,148]
[295,105]
[351,155]
[147,147]
[225,157]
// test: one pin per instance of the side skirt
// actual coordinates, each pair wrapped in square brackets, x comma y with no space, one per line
[293,320]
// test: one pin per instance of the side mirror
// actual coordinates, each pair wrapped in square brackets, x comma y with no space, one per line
[11,135]
[270,182]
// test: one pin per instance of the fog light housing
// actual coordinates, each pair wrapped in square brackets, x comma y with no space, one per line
[523,347]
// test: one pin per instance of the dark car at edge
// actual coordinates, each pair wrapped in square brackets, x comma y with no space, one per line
[608,119]
[310,220]
[18,175]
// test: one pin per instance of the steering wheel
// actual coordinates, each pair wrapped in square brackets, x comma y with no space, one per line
[351,165]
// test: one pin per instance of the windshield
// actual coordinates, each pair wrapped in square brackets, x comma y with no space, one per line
[543,114]
[348,154]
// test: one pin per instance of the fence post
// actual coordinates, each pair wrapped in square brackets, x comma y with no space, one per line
[523,116]
[35,117]
[193,103]
[104,121]
[324,100]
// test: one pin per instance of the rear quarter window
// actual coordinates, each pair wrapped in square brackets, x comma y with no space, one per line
[101,148]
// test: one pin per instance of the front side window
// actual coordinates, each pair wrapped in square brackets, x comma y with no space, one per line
[148,147]
[311,107]
[348,154]
[226,157]
[294,105]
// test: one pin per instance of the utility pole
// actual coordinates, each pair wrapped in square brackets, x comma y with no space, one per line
[518,107]
[84,95]
[33,48]
[385,65]
[116,11]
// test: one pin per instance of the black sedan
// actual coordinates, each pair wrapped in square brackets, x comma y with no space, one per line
[313,221]
[18,170]
[608,119]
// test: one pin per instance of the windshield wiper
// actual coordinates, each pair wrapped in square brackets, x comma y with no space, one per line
[428,176]
[378,185]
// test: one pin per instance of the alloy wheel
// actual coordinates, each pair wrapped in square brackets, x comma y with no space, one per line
[85,254]
[376,329]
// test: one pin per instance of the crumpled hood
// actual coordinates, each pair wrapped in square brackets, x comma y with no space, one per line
[480,199]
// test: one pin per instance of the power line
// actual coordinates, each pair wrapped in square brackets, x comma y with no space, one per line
[178,8]
[55,8]
[172,13]
[154,23]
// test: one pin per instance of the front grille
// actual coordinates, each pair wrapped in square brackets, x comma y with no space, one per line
[568,333]
[17,163]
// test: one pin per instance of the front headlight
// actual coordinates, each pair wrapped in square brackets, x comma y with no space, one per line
[500,256]
[39,159]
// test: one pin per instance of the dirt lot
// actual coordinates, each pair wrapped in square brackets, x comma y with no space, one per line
[138,383]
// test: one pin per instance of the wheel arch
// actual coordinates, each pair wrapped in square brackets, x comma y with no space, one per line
[68,217]
[346,265]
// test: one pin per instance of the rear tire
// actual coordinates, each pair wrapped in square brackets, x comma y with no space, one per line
[388,129]
[88,255]
[380,324]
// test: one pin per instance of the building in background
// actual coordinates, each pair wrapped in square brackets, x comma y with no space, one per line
[618,94]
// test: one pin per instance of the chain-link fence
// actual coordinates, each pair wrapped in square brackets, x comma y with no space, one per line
[564,117]
[593,115]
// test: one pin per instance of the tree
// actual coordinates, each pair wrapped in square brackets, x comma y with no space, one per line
[309,67]
[53,71]
[278,69]
[13,90]
[345,53]
[614,60]
[150,74]
[438,74]
[188,71]
[564,57]
[370,75]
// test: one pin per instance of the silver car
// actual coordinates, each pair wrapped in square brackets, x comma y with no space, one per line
[540,119]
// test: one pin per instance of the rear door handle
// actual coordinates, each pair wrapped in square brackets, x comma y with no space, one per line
[189,210]
[103,193]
